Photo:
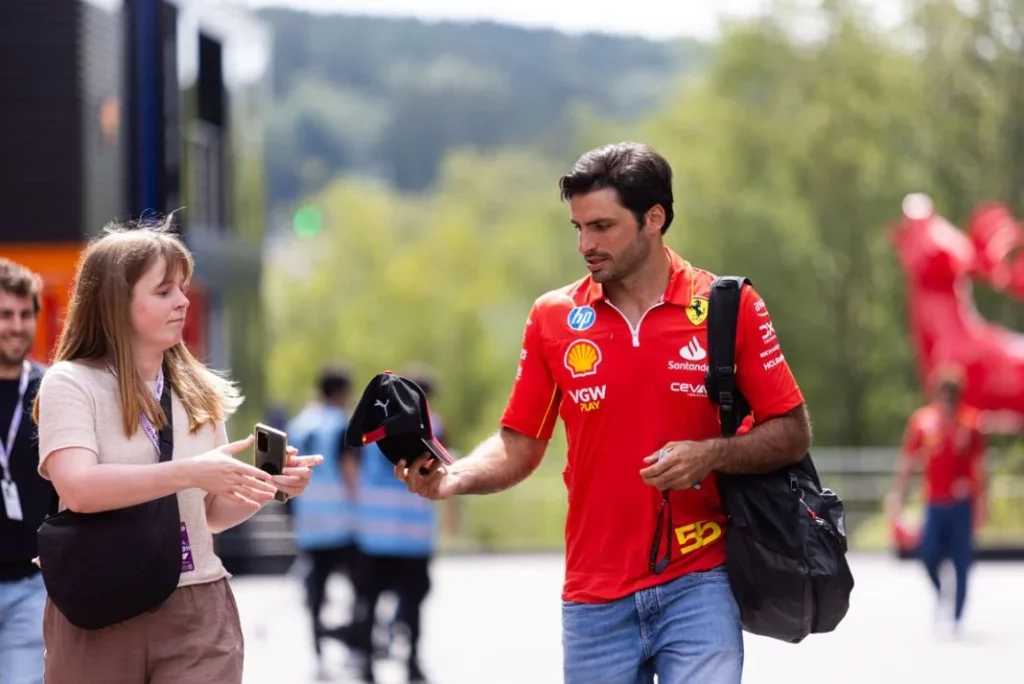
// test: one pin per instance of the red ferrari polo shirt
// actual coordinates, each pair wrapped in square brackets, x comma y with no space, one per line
[622,394]
[950,451]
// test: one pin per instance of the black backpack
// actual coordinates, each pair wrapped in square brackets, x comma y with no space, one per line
[786,540]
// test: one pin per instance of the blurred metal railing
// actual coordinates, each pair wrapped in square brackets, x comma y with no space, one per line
[531,516]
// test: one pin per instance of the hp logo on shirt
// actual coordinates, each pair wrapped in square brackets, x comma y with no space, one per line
[581,318]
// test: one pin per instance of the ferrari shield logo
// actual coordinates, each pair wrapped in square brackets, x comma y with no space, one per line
[697,311]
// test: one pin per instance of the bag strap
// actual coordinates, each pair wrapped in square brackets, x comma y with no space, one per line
[723,314]
[35,379]
[166,434]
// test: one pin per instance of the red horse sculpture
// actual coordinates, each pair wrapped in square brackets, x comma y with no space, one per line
[946,329]
[998,241]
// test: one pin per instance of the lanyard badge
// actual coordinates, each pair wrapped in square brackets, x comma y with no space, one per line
[12,503]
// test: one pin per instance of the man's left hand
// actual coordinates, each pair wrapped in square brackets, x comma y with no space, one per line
[679,465]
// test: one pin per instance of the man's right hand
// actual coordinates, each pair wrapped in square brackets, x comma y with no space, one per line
[440,483]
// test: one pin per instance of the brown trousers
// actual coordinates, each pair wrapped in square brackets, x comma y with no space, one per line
[194,637]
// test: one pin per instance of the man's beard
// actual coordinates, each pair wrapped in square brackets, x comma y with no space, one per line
[629,261]
[7,359]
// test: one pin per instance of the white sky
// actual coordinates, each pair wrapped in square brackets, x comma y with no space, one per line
[650,18]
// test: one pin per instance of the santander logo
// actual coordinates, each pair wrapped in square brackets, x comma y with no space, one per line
[692,351]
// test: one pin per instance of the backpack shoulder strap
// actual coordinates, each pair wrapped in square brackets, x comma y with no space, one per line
[723,314]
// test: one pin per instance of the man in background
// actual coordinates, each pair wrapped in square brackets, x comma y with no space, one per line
[27,497]
[396,535]
[944,441]
[322,519]
[449,508]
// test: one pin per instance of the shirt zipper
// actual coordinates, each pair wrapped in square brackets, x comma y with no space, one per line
[635,332]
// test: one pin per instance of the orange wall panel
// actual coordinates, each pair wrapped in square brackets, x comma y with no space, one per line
[56,264]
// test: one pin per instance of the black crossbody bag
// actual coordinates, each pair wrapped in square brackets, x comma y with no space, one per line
[103,568]
[786,543]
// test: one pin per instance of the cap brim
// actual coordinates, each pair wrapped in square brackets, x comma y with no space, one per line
[438,450]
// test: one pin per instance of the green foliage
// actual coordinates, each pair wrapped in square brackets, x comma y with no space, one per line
[791,160]
[391,98]
[445,279]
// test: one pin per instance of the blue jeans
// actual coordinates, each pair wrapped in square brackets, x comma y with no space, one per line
[21,630]
[685,631]
[948,533]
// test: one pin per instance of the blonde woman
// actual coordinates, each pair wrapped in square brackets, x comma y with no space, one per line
[98,412]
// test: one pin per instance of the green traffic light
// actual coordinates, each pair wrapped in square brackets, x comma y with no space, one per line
[307,221]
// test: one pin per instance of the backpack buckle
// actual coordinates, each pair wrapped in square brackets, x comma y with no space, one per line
[725,401]
[725,398]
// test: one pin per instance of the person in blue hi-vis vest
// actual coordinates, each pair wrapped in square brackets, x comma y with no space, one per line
[396,533]
[447,508]
[323,524]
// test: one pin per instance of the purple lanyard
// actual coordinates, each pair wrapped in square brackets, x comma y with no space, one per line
[147,425]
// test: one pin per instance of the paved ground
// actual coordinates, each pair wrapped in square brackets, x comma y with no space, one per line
[496,620]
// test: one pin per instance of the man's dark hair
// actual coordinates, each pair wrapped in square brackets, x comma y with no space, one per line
[333,380]
[17,280]
[641,177]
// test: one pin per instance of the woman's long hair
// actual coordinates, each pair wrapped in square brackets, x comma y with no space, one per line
[98,326]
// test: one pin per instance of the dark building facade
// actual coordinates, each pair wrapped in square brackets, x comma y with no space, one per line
[114,109]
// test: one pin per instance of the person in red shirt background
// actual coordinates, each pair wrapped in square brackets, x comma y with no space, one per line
[621,356]
[944,440]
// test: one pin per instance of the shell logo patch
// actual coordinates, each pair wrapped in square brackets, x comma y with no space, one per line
[582,358]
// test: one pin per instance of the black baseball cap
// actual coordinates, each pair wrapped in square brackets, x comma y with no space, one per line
[393,413]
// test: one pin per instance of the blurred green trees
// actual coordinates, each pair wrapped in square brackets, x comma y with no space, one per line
[792,154]
[791,158]
[390,98]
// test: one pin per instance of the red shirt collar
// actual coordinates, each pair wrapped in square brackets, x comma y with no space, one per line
[963,416]
[680,283]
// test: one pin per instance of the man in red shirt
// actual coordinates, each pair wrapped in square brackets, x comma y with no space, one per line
[945,441]
[621,357]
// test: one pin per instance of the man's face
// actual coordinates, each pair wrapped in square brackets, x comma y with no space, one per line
[17,327]
[948,395]
[610,239]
